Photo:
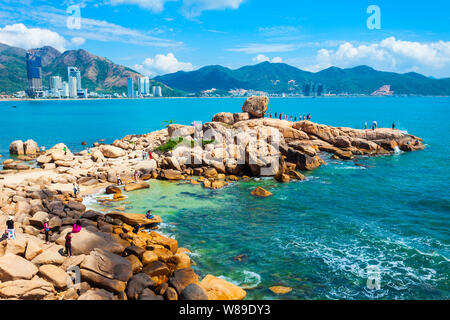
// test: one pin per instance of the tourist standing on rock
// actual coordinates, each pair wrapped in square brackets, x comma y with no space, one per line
[150,155]
[393,125]
[43,148]
[275,115]
[75,191]
[65,151]
[374,125]
[365,125]
[281,116]
[46,230]
[10,228]
[119,181]
[76,227]
[69,244]
[136,175]
[309,117]
[136,229]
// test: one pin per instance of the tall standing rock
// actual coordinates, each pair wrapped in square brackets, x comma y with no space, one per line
[256,106]
[16,148]
[30,147]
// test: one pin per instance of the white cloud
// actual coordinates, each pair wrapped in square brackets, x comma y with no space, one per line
[277,60]
[194,8]
[77,41]
[389,54]
[153,5]
[255,48]
[18,35]
[190,8]
[162,64]
[262,58]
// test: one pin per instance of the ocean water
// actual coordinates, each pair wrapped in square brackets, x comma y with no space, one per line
[322,237]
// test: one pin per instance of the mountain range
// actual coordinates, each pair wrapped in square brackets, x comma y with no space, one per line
[283,78]
[97,73]
[102,75]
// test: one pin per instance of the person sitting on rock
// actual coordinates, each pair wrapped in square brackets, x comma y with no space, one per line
[76,227]
[149,215]
[69,244]
[10,228]
[46,230]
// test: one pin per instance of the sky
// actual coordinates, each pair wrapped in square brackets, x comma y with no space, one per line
[158,37]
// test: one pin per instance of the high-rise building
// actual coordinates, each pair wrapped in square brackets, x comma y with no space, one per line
[56,85]
[34,74]
[73,87]
[130,87]
[157,91]
[75,72]
[144,86]
[65,89]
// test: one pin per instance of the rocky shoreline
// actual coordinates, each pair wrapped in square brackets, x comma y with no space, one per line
[113,261]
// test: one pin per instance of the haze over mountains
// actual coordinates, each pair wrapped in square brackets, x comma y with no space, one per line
[102,75]
[98,73]
[280,77]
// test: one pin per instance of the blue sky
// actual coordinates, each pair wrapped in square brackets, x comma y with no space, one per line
[163,36]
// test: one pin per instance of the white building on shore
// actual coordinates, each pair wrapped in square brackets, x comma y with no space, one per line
[144,86]
[73,87]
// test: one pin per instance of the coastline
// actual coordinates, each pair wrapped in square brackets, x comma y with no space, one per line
[301,144]
[226,97]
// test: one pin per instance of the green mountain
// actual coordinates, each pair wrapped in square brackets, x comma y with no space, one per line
[97,73]
[283,78]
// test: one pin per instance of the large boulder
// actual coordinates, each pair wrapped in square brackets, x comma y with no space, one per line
[220,289]
[256,106]
[182,278]
[30,147]
[26,289]
[38,219]
[178,130]
[51,255]
[108,265]
[225,117]
[137,284]
[100,281]
[97,294]
[302,160]
[13,267]
[16,148]
[56,275]
[109,151]
[134,218]
[136,186]
[193,292]
[171,174]
[85,241]
[241,116]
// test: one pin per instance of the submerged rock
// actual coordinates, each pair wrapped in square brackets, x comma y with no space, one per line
[260,192]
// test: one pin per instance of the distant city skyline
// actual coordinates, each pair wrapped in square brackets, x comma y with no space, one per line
[160,37]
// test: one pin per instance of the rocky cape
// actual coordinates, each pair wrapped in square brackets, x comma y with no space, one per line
[115,262]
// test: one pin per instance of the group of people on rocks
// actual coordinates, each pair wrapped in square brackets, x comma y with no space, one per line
[146,155]
[47,229]
[375,125]
[287,117]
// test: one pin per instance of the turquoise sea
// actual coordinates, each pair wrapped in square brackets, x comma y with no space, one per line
[317,236]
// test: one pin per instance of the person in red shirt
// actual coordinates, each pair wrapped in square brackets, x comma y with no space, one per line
[69,244]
